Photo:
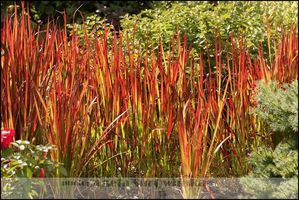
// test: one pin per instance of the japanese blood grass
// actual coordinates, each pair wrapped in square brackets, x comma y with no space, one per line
[71,95]
[220,119]
[47,91]
[108,106]
[283,67]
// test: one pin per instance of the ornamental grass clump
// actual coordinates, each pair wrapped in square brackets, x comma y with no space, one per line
[111,108]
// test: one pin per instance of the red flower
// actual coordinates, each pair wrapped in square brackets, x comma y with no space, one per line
[42,173]
[7,137]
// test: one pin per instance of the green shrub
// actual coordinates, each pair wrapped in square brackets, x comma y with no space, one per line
[268,165]
[22,162]
[278,107]
[41,10]
[26,160]
[256,188]
[93,23]
[199,20]
[282,162]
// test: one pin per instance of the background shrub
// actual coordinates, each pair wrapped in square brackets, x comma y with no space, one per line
[199,20]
